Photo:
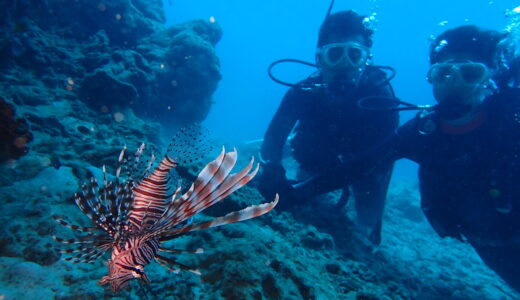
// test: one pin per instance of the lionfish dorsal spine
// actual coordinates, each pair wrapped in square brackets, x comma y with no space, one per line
[120,162]
[151,195]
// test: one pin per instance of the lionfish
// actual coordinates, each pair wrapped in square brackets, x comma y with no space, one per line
[133,217]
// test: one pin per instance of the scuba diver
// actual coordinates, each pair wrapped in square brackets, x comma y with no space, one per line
[467,148]
[328,125]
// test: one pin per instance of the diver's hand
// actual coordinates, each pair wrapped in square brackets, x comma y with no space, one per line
[273,181]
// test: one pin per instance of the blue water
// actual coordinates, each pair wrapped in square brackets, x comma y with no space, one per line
[258,32]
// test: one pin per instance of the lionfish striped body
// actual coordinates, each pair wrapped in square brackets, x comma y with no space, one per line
[136,217]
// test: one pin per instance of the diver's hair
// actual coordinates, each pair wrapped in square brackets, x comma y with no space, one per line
[481,44]
[344,24]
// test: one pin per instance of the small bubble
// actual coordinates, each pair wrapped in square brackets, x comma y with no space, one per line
[11,163]
[212,19]
[162,66]
[441,46]
[70,81]
[104,109]
[102,6]
[169,107]
[174,83]
[443,23]
[119,117]
[118,17]
[45,162]
[43,188]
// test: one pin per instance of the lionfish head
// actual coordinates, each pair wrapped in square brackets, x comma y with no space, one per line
[120,275]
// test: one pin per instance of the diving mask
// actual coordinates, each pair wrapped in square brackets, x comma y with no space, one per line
[341,55]
[471,73]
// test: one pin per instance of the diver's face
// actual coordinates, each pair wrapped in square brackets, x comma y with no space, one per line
[459,79]
[343,58]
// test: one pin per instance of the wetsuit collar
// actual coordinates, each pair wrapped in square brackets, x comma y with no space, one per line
[472,124]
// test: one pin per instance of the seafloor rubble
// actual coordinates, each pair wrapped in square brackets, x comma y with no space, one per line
[281,255]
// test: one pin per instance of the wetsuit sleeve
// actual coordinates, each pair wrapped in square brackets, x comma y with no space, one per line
[398,145]
[280,127]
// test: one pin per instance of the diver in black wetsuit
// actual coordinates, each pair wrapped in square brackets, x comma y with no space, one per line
[328,125]
[467,148]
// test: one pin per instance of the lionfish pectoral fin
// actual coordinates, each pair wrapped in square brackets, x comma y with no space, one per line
[170,263]
[214,183]
[104,280]
[196,251]
[233,217]
[74,227]
[145,278]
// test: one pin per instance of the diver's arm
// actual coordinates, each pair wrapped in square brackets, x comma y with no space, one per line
[343,173]
[401,143]
[273,180]
[280,128]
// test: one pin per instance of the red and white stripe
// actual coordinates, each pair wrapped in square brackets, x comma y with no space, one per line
[151,196]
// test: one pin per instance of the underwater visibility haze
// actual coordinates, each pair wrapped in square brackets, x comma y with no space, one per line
[127,124]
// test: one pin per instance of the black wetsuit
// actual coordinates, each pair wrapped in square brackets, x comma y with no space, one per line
[330,128]
[469,177]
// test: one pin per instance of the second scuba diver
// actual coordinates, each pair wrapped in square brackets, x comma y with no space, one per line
[328,125]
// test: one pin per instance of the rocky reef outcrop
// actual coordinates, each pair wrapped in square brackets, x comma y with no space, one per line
[80,72]
[110,55]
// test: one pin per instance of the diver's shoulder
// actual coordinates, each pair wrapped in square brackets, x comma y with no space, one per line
[305,86]
[310,81]
[374,74]
[504,106]
[509,94]
[504,99]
